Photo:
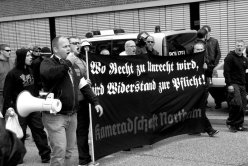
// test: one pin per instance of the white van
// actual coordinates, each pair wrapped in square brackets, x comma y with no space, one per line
[167,43]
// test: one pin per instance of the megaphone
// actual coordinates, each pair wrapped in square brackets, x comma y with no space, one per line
[26,103]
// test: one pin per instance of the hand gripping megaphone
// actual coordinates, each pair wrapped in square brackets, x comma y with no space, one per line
[26,103]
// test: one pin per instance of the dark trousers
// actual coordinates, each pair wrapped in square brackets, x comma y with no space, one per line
[34,122]
[82,133]
[207,125]
[237,104]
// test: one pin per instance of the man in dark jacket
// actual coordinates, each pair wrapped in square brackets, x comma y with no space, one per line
[214,55]
[200,47]
[150,42]
[235,66]
[6,64]
[59,77]
[83,117]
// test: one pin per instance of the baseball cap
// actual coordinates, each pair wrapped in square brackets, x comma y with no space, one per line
[45,51]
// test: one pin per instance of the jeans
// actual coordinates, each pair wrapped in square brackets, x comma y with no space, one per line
[34,122]
[83,132]
[237,104]
[62,136]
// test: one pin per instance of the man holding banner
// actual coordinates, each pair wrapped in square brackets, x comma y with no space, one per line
[201,47]
[60,77]
[83,119]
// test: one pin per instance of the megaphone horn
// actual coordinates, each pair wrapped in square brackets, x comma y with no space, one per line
[26,104]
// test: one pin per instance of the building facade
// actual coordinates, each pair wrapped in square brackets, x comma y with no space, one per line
[39,21]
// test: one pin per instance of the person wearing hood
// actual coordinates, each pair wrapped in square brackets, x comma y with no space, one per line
[235,65]
[18,79]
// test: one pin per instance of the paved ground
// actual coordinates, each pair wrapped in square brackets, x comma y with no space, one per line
[226,149]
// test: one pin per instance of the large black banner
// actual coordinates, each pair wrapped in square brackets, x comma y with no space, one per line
[145,99]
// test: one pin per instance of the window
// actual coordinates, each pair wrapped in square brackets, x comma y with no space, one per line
[179,44]
[115,47]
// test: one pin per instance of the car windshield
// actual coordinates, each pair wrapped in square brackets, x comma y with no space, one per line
[115,47]
[179,44]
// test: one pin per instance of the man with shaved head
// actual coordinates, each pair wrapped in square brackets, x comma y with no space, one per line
[235,66]
[61,77]
[130,48]
[57,76]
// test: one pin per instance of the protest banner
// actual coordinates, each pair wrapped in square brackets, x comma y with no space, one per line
[145,99]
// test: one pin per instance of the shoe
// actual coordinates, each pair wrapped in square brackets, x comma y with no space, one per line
[233,129]
[218,106]
[45,160]
[241,128]
[195,133]
[213,132]
[20,162]
[126,150]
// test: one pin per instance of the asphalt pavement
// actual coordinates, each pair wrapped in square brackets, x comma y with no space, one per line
[226,149]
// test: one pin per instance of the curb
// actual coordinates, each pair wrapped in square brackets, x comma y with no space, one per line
[221,120]
[217,120]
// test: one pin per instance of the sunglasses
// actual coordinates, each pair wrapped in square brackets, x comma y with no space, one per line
[75,43]
[150,41]
[8,50]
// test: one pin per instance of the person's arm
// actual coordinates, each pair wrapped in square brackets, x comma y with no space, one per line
[217,53]
[227,70]
[8,92]
[90,95]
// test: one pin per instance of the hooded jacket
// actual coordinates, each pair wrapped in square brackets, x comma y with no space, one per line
[18,79]
[234,69]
